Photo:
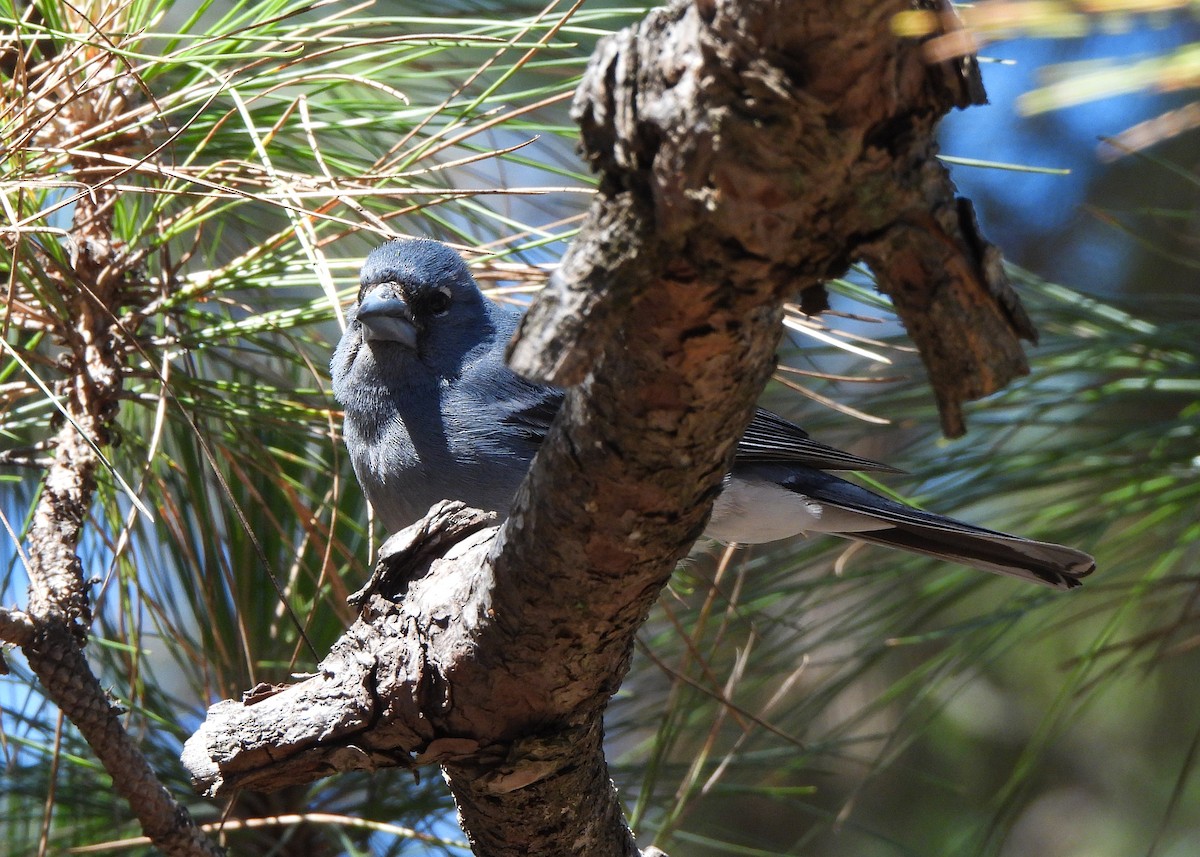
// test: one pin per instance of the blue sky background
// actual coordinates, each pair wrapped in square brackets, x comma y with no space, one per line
[1036,218]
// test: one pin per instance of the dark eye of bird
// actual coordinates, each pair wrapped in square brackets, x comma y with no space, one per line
[439,301]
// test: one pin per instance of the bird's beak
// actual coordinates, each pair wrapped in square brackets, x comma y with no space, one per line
[386,317]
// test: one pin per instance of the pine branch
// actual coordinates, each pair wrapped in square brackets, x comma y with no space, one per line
[747,151]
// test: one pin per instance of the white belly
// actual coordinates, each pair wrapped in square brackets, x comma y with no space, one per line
[752,511]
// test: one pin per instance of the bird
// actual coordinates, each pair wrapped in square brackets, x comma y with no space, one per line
[431,411]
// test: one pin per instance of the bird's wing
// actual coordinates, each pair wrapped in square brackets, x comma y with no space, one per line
[501,401]
[771,438]
[934,535]
[529,412]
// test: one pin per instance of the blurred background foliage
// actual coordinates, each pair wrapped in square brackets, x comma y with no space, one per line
[804,699]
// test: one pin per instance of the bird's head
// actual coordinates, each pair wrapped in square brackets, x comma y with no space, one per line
[417,304]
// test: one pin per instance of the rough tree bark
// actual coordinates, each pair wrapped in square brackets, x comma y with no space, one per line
[746,151]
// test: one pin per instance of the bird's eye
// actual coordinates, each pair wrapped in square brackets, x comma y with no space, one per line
[439,302]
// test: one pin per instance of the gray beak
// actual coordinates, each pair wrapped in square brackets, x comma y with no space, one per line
[386,317]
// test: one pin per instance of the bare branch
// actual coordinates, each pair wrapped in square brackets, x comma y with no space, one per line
[91,288]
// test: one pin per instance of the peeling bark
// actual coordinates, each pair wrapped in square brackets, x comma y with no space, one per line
[747,152]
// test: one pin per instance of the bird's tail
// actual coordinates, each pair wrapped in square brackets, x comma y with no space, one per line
[869,517]
[1041,562]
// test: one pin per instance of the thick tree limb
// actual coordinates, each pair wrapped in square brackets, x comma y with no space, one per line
[384,695]
[747,151]
[806,142]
